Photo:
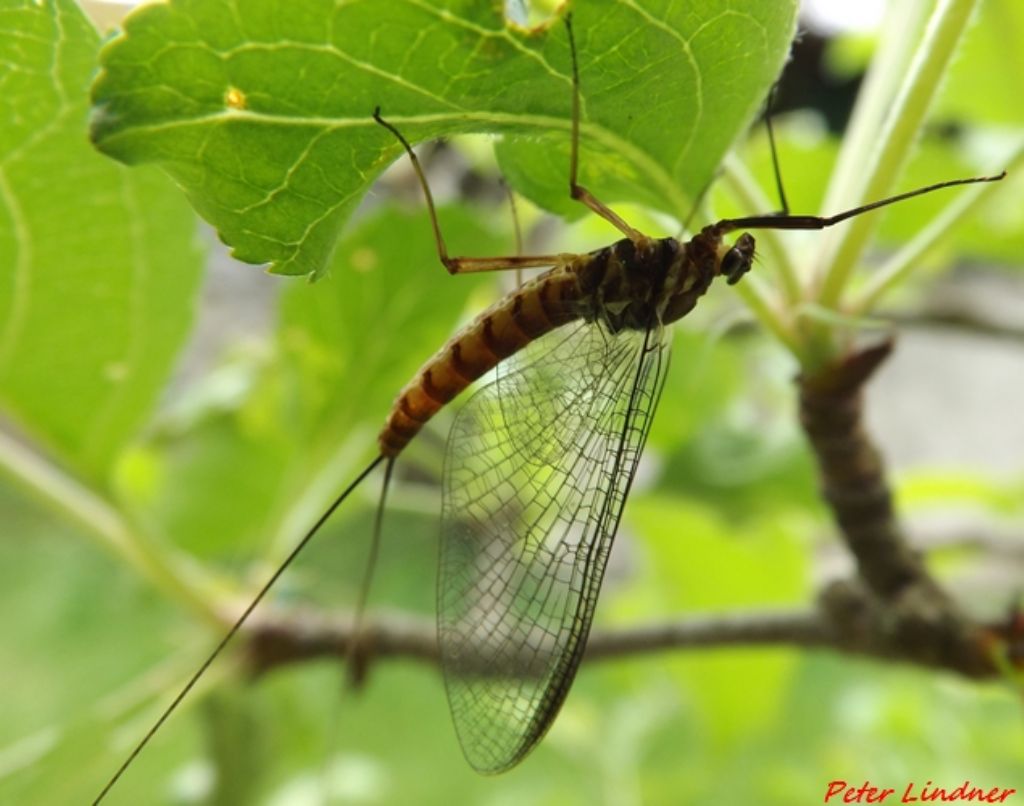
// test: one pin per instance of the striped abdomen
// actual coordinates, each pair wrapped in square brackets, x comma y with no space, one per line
[626,286]
[517,319]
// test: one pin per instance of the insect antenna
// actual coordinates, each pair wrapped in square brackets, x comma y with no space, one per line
[170,709]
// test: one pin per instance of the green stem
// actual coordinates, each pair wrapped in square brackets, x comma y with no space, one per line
[898,267]
[903,21]
[893,143]
[754,292]
[167,570]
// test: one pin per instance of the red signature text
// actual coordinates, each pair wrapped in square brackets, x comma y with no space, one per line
[843,792]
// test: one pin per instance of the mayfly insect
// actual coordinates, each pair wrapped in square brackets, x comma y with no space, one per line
[540,461]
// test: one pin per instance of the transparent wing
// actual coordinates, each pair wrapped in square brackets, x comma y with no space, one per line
[537,470]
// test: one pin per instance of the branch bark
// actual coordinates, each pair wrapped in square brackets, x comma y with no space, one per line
[918,621]
[863,629]
[852,475]
[282,639]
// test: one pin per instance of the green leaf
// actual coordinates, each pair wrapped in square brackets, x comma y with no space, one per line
[98,265]
[262,110]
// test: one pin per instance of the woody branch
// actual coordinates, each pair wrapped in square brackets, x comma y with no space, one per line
[282,639]
[894,608]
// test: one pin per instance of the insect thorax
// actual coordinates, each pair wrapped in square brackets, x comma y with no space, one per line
[636,286]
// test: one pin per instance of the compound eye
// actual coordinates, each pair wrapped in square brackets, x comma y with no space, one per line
[735,264]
